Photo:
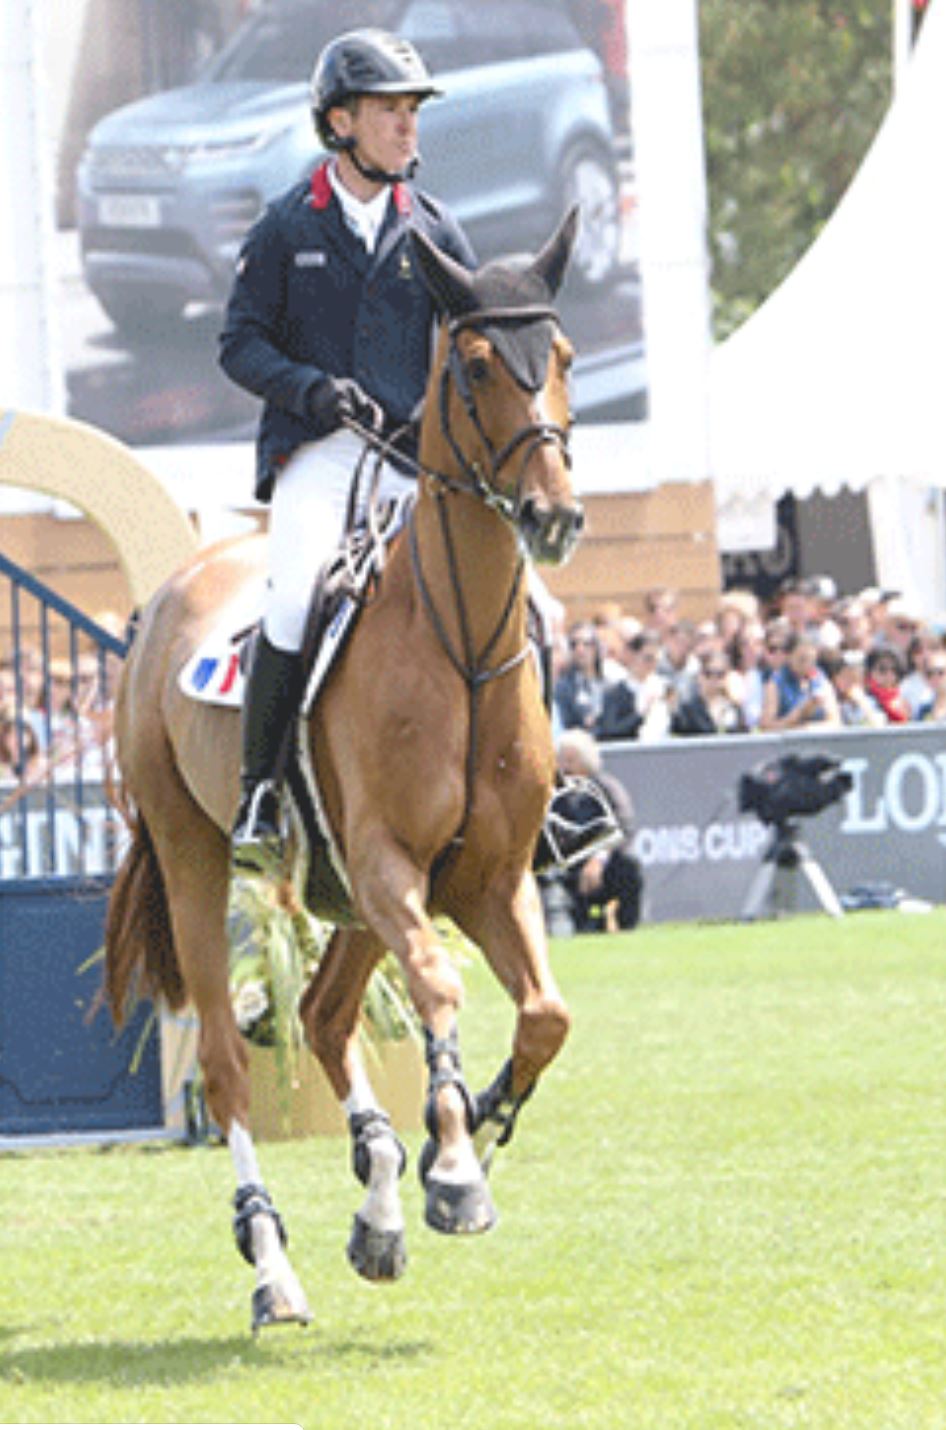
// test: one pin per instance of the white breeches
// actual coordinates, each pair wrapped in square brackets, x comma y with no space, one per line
[306,520]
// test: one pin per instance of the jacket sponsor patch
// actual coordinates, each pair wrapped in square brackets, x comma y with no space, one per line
[312,258]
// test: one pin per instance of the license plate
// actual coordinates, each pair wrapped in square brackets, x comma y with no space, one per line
[130,211]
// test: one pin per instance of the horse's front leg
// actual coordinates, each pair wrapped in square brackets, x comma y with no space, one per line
[391,893]
[329,1010]
[509,927]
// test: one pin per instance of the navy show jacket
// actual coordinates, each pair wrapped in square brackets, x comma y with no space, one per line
[309,301]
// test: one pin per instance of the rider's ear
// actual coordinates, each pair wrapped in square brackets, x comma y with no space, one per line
[447,281]
[551,263]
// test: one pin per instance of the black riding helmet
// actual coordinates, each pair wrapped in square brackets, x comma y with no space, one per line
[364,62]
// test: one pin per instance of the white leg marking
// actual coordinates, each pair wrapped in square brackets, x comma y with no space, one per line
[382,1206]
[269,1258]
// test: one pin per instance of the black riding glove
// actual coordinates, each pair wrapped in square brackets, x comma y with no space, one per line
[337,399]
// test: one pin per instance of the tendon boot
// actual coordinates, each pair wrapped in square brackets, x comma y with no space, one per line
[273,690]
[579,822]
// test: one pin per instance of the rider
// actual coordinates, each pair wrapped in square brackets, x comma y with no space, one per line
[328,321]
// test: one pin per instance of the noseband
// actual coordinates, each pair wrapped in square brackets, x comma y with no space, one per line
[532,436]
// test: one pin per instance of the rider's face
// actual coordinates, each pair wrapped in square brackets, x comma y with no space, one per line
[384,128]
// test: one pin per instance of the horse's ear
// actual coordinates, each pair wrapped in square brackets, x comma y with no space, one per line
[447,281]
[551,263]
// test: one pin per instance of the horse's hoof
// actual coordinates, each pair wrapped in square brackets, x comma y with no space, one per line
[427,1158]
[459,1209]
[376,1255]
[270,1307]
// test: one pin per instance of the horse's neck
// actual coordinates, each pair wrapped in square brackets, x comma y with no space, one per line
[470,558]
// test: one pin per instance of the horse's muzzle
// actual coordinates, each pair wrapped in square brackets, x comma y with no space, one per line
[550,533]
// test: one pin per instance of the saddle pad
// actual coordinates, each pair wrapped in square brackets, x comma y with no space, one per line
[216,674]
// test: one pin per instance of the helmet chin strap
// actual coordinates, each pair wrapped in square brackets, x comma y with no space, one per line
[378,176]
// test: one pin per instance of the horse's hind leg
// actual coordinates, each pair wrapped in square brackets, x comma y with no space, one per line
[194,859]
[510,929]
[329,1010]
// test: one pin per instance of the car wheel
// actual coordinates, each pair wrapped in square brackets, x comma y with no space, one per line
[138,315]
[589,178]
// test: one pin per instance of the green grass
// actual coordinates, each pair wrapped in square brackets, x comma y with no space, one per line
[726,1207]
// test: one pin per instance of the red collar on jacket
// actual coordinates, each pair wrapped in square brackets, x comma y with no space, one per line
[321,191]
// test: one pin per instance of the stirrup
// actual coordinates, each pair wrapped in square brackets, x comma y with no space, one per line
[564,841]
[257,841]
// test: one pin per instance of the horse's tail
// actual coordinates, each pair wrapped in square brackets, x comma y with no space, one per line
[140,958]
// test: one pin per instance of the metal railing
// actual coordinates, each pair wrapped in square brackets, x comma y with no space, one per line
[58,670]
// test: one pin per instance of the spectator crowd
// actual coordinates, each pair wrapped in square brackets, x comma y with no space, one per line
[809,659]
[55,717]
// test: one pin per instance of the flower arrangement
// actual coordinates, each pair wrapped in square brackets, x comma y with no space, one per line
[275,947]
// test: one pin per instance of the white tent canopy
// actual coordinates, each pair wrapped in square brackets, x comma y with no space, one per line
[838,378]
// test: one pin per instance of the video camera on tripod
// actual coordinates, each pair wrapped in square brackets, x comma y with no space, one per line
[793,785]
[779,793]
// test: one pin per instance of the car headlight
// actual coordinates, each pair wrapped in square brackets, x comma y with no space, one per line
[210,151]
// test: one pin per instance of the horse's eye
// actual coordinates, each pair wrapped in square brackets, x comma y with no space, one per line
[477,369]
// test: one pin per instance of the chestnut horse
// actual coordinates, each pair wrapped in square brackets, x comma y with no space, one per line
[433,755]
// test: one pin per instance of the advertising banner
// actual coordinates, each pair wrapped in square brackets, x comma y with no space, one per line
[183,121]
[700,853]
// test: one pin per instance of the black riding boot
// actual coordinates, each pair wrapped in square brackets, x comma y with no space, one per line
[273,690]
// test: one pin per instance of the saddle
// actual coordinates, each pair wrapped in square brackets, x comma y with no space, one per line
[215,674]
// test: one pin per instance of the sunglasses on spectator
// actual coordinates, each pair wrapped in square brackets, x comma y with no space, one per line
[580,641]
[936,670]
[775,649]
[714,672]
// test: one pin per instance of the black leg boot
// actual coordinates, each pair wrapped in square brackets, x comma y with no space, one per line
[273,691]
[579,820]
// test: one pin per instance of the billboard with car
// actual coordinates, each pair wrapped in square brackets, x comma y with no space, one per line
[533,117]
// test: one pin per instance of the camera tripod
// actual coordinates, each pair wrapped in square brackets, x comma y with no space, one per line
[774,888]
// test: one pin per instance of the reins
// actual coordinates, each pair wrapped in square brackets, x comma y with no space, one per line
[471,665]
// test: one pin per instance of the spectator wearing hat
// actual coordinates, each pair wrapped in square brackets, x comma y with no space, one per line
[898,627]
[854,623]
[822,595]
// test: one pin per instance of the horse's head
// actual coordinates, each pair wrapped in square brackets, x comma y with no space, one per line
[503,406]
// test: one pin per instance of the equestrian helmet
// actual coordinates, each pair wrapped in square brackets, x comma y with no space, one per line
[364,62]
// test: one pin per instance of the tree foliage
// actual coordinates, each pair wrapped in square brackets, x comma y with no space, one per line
[793,93]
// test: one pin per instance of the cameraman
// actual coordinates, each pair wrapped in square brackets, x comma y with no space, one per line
[601,893]
[799,693]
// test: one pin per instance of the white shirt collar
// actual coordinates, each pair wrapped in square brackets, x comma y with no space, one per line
[364,219]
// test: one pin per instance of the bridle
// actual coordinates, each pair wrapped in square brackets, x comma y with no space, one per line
[531,436]
[471,664]
[476,482]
